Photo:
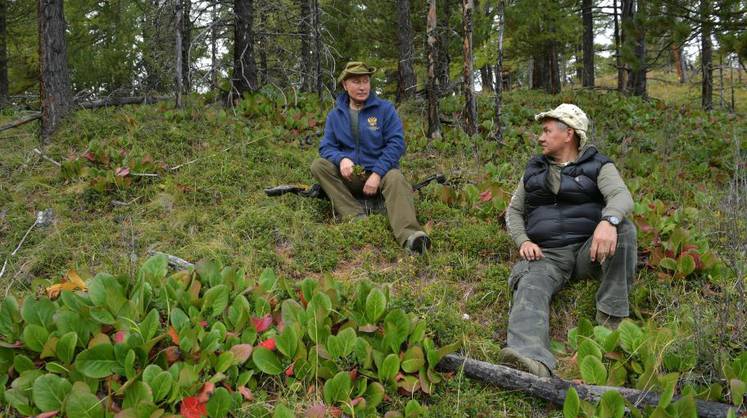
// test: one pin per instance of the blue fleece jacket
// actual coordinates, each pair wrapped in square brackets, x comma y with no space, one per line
[381,143]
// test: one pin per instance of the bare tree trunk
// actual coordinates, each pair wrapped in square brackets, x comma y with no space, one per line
[186,45]
[443,59]
[214,47]
[679,66]
[434,124]
[244,69]
[618,52]
[304,28]
[406,80]
[263,46]
[54,86]
[588,21]
[637,82]
[706,58]
[179,51]
[3,52]
[470,106]
[486,78]
[498,134]
[626,26]
[317,27]
[553,66]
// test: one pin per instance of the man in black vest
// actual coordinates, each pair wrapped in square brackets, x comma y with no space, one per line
[568,218]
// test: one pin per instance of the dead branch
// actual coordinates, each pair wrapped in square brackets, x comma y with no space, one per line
[24,120]
[554,389]
[174,261]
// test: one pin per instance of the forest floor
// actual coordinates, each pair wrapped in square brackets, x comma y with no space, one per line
[679,162]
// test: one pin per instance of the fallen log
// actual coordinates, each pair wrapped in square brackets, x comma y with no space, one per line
[554,389]
[95,104]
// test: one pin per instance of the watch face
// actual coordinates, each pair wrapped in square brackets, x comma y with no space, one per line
[614,220]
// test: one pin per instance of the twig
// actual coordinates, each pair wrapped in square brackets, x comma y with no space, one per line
[22,121]
[145,175]
[41,154]
[120,203]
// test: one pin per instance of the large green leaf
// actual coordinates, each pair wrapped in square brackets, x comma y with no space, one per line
[267,280]
[105,290]
[81,403]
[337,389]
[282,411]
[396,329]
[34,337]
[374,394]
[588,347]
[149,326]
[413,359]
[667,383]
[571,403]
[154,269]
[685,264]
[49,392]
[216,300]
[267,361]
[66,347]
[10,318]
[98,362]
[39,312]
[593,371]
[389,367]
[159,381]
[287,341]
[220,403]
[136,394]
[375,305]
[685,407]
[738,389]
[102,315]
[631,336]
[611,405]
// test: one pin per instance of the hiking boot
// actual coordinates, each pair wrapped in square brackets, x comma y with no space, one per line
[608,321]
[509,357]
[418,242]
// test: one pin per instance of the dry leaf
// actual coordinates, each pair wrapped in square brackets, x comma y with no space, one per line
[71,281]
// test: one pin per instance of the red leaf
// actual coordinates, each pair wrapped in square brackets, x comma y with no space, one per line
[263,323]
[191,407]
[486,195]
[204,324]
[268,344]
[119,337]
[122,171]
[49,414]
[174,336]
[241,352]
[89,156]
[246,393]
[303,300]
[207,390]
[354,374]
[316,411]
[171,353]
[289,370]
[357,400]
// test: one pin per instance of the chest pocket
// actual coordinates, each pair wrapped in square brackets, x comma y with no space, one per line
[372,131]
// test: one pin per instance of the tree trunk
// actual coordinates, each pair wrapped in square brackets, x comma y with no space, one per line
[406,81]
[264,74]
[54,86]
[317,28]
[626,26]
[706,57]
[498,134]
[3,52]
[434,124]
[588,43]
[179,79]
[443,59]
[678,63]
[186,45]
[214,47]
[244,69]
[539,72]
[486,78]
[470,107]
[553,66]
[304,29]
[618,52]
[637,82]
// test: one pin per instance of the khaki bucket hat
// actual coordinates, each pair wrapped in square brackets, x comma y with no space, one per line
[355,68]
[572,116]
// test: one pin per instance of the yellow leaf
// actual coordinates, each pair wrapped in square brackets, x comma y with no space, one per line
[71,281]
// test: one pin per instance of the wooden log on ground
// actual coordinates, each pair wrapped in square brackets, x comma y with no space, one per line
[554,389]
[174,261]
[113,101]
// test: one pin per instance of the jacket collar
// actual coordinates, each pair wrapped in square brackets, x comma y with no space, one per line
[585,153]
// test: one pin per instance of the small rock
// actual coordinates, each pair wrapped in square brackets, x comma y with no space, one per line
[465,317]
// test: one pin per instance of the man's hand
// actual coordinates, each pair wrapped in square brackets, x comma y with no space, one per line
[346,168]
[530,251]
[372,184]
[604,242]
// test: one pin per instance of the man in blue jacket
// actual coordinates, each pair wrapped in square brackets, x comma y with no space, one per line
[360,151]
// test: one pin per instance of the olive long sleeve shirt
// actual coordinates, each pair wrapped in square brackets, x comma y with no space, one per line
[617,198]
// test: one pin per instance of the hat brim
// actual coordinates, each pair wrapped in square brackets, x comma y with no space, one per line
[552,115]
[347,74]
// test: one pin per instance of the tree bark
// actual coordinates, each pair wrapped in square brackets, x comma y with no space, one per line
[470,106]
[304,29]
[553,66]
[244,69]
[626,26]
[706,57]
[498,134]
[186,45]
[406,80]
[54,86]
[588,42]
[554,389]
[317,28]
[678,63]
[214,47]
[179,78]
[434,124]
[486,78]
[443,58]
[264,73]
[3,52]
[637,82]
[618,52]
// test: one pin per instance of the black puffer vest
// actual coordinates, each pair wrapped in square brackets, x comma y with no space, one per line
[571,216]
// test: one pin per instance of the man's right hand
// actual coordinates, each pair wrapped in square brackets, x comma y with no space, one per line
[530,251]
[346,168]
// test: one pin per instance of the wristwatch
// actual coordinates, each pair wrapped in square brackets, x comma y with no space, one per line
[613,220]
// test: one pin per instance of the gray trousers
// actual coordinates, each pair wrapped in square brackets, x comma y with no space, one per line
[533,284]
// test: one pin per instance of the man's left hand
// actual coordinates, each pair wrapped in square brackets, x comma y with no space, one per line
[604,242]
[372,184]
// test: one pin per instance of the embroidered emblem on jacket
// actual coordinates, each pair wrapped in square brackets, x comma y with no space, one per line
[372,122]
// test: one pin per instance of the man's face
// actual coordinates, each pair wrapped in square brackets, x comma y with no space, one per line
[358,87]
[554,138]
